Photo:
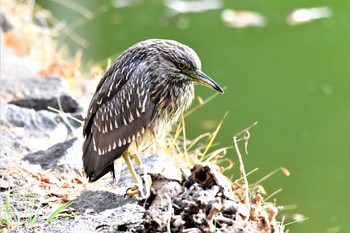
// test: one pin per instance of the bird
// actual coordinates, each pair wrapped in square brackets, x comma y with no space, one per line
[138,99]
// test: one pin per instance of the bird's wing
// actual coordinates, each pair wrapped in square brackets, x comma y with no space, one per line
[114,123]
[112,81]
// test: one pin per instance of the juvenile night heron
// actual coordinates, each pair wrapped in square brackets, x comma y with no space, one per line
[142,94]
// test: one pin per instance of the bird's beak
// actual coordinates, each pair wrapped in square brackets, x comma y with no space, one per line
[205,80]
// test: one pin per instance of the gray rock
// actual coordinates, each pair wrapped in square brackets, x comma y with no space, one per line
[28,118]
[13,68]
[64,103]
[25,130]
[10,144]
[38,123]
[18,80]
[33,87]
[157,163]
[62,157]
[5,24]
[99,201]
[126,218]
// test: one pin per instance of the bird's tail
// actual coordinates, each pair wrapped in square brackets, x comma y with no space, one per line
[96,165]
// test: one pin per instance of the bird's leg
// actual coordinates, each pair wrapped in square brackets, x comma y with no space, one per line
[126,158]
[143,187]
[138,160]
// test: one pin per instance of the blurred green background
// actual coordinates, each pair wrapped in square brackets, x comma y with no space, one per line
[293,79]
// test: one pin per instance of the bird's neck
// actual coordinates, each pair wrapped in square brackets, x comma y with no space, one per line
[172,100]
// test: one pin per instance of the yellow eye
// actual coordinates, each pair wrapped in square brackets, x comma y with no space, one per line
[181,65]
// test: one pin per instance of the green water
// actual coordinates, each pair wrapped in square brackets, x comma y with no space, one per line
[293,80]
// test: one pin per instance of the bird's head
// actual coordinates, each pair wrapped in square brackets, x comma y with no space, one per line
[176,62]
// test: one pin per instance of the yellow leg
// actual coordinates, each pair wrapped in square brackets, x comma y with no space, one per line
[131,168]
[142,187]
[138,160]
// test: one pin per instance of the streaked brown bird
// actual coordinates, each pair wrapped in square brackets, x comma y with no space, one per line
[142,94]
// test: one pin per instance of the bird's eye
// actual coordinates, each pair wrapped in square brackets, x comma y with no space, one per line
[181,66]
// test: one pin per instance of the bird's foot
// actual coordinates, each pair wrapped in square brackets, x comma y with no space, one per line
[142,189]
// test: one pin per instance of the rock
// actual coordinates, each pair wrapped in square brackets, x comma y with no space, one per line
[33,87]
[18,80]
[28,118]
[157,163]
[40,123]
[64,103]
[126,218]
[13,68]
[11,143]
[24,130]
[99,200]
[62,157]
[5,24]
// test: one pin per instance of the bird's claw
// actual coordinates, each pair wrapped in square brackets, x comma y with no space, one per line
[142,189]
[134,190]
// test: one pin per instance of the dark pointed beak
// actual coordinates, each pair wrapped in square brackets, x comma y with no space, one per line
[205,80]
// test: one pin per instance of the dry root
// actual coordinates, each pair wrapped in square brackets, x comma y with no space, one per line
[204,202]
